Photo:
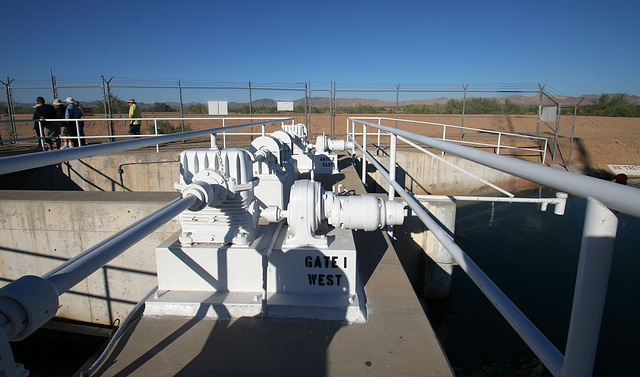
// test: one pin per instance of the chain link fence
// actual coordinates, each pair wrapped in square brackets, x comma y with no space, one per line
[322,106]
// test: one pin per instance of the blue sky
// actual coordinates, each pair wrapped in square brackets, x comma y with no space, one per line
[576,47]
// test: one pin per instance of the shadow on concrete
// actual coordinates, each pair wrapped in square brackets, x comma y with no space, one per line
[45,178]
[265,347]
[112,182]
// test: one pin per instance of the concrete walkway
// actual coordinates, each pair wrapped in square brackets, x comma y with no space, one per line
[396,340]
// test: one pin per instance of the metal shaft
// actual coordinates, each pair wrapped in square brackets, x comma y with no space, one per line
[77,269]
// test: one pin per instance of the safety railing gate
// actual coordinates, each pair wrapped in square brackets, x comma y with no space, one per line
[600,227]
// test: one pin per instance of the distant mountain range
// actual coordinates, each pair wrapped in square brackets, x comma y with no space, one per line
[323,102]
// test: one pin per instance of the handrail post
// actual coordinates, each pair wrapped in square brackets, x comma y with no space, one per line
[444,135]
[353,137]
[364,159]
[41,135]
[78,132]
[224,135]
[155,123]
[263,129]
[596,252]
[353,125]
[392,166]
[499,139]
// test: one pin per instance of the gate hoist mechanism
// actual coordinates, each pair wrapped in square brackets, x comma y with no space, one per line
[259,242]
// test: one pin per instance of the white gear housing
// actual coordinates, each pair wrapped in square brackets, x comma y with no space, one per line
[275,169]
[228,263]
[229,213]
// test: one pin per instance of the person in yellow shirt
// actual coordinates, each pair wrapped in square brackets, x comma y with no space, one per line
[134,112]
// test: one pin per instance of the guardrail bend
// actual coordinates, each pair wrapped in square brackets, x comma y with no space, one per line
[596,251]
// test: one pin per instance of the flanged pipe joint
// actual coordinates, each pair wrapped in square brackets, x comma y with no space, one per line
[309,204]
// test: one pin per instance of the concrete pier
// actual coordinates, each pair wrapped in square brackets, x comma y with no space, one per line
[396,339]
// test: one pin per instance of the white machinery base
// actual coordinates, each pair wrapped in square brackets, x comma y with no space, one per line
[226,281]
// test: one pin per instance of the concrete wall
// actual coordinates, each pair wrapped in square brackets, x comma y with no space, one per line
[423,174]
[151,171]
[142,171]
[41,229]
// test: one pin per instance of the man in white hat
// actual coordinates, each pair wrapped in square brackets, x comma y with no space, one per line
[134,112]
[72,112]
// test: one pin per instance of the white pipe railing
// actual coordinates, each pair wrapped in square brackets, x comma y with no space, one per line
[559,201]
[546,351]
[621,198]
[595,253]
[542,150]
[267,120]
[29,302]
[507,193]
[34,160]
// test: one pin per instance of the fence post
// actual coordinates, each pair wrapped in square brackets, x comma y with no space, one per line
[306,106]
[250,105]
[464,108]
[331,109]
[539,110]
[573,130]
[107,108]
[53,84]
[104,103]
[594,267]
[14,134]
[397,102]
[181,107]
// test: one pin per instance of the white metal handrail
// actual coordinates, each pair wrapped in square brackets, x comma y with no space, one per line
[34,160]
[499,145]
[595,253]
[155,121]
[18,324]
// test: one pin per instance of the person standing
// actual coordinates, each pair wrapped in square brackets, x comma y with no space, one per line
[81,124]
[45,111]
[134,112]
[72,112]
[62,126]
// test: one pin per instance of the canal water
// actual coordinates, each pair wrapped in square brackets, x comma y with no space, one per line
[533,256]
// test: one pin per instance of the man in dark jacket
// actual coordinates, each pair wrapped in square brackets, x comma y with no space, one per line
[60,110]
[50,129]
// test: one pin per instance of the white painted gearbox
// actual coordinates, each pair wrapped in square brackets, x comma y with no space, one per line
[232,214]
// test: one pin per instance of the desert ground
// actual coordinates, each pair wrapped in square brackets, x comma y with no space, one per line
[596,140]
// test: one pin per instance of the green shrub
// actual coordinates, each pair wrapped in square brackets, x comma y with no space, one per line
[160,107]
[165,127]
[197,108]
[616,105]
